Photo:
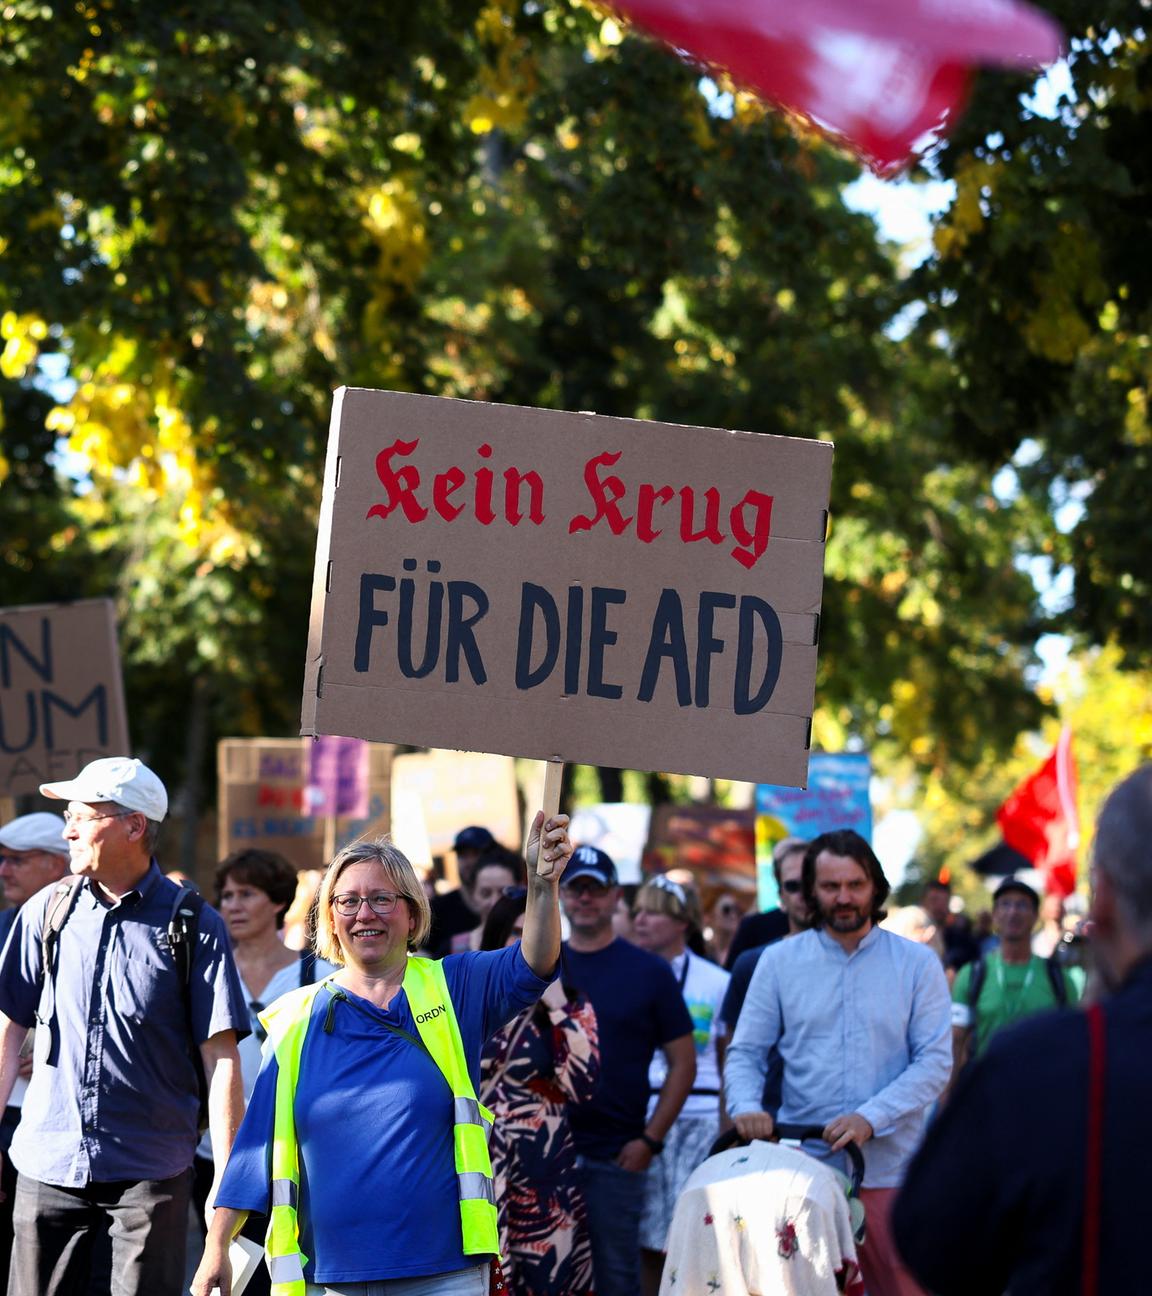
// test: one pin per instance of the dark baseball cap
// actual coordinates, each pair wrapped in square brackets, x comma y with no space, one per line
[1015,884]
[591,862]
[477,839]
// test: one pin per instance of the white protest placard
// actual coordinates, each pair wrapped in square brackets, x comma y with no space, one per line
[568,587]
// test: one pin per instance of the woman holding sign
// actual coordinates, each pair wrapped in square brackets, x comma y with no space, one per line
[364,1139]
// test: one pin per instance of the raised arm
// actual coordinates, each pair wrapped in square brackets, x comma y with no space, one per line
[540,943]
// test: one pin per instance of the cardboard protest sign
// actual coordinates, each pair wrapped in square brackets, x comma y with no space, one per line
[707,839]
[61,692]
[567,587]
[264,800]
[457,789]
[837,796]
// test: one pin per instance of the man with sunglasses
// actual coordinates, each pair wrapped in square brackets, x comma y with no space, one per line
[639,1010]
[788,865]
[104,1148]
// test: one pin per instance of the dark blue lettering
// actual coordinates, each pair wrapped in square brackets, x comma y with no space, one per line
[533,597]
[707,645]
[7,742]
[461,638]
[574,640]
[98,696]
[752,610]
[10,641]
[599,638]
[431,630]
[667,640]
[370,616]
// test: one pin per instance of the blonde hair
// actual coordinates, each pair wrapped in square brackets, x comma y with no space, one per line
[664,895]
[400,874]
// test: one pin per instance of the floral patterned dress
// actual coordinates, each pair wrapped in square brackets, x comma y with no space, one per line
[530,1072]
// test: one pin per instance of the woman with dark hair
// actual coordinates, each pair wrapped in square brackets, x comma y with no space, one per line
[495,872]
[530,1071]
[253,889]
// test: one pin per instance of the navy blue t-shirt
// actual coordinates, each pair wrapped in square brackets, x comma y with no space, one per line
[639,1008]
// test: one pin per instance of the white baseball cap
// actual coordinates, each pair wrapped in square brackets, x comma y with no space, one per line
[35,832]
[126,781]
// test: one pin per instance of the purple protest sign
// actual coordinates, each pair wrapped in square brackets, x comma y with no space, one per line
[338,777]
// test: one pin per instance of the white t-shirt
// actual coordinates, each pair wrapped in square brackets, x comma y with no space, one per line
[251,1047]
[703,985]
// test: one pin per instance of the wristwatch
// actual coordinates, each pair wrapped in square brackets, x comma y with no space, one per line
[655,1146]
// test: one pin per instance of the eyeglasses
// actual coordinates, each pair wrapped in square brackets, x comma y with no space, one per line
[380,902]
[18,861]
[793,886]
[585,886]
[78,819]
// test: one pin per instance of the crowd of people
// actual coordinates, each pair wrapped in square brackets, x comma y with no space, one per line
[438,1080]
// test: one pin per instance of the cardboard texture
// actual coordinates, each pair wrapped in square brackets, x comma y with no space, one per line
[61,692]
[458,789]
[264,804]
[567,587]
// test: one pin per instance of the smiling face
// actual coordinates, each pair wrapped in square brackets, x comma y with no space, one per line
[249,911]
[372,942]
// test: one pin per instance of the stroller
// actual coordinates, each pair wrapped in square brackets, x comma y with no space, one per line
[765,1219]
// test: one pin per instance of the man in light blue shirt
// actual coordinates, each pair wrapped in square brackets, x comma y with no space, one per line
[862,1021]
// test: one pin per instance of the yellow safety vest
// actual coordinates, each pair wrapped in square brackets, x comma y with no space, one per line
[287,1023]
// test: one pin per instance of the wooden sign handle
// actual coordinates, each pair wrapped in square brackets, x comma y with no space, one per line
[553,776]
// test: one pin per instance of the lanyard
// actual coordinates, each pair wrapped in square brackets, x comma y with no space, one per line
[684,972]
[1023,990]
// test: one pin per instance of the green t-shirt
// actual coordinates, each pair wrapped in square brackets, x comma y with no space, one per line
[1010,991]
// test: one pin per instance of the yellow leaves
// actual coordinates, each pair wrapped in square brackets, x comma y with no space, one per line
[975,184]
[133,433]
[395,220]
[1057,328]
[611,32]
[22,335]
[508,78]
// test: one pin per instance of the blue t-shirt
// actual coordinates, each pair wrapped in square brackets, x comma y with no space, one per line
[639,1008]
[378,1192]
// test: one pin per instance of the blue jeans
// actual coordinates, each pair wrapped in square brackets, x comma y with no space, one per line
[462,1282]
[614,1198]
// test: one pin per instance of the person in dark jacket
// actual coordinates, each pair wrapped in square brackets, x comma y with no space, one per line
[1000,1196]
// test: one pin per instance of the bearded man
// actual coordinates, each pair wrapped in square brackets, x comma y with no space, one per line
[862,1022]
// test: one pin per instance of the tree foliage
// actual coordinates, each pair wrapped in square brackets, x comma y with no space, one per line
[1039,301]
[216,214]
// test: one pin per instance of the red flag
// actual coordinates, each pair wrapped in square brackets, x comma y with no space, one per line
[1040,819]
[880,73]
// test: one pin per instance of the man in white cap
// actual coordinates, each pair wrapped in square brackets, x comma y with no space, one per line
[109,1128]
[33,855]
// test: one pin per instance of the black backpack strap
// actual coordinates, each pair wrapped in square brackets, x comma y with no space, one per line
[183,933]
[56,913]
[1056,978]
[976,983]
[307,967]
